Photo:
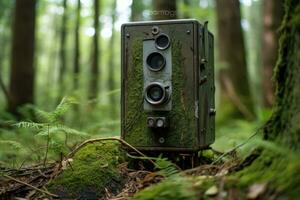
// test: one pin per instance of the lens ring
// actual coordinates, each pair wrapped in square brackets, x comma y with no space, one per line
[162,41]
[155,93]
[155,61]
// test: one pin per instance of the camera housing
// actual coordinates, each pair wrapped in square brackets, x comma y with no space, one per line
[167,89]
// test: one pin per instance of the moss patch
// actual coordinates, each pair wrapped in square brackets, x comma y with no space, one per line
[178,188]
[93,169]
[279,170]
[280,165]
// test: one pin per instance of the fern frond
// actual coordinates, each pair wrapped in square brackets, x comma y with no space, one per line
[32,125]
[43,116]
[13,144]
[166,167]
[63,107]
[60,129]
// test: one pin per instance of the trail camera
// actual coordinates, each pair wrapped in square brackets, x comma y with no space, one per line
[167,101]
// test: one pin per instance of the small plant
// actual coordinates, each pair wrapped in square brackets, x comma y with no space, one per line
[50,125]
[166,167]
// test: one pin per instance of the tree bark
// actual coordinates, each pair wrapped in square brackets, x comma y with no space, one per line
[76,67]
[164,9]
[273,12]
[62,51]
[137,8]
[3,88]
[284,123]
[21,86]
[111,60]
[279,157]
[235,90]
[94,81]
[4,44]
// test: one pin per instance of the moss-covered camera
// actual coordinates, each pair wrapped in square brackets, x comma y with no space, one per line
[167,86]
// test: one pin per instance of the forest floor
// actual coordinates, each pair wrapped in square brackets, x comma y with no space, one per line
[100,169]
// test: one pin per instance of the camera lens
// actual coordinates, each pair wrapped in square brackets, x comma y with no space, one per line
[162,41]
[155,93]
[156,61]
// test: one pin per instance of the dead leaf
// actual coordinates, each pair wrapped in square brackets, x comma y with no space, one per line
[212,191]
[256,190]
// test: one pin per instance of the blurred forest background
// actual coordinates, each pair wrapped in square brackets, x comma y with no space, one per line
[60,69]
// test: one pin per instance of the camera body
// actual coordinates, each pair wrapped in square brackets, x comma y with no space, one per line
[167,91]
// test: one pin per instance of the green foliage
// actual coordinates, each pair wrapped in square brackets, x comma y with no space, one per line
[49,128]
[166,167]
[13,144]
[51,122]
[175,188]
[278,166]
[234,132]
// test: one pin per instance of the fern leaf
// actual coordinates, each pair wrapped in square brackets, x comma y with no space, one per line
[13,144]
[63,107]
[60,129]
[167,168]
[43,116]
[32,125]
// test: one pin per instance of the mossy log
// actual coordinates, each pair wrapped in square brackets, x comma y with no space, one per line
[93,170]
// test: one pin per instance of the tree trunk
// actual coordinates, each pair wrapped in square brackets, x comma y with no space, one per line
[21,87]
[278,163]
[284,123]
[137,8]
[62,52]
[76,69]
[3,88]
[254,15]
[273,12]
[164,9]
[235,90]
[4,45]
[94,80]
[111,60]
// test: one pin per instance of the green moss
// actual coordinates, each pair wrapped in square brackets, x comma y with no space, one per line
[176,188]
[281,171]
[182,132]
[286,116]
[94,168]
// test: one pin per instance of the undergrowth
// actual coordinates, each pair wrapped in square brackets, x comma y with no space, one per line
[42,138]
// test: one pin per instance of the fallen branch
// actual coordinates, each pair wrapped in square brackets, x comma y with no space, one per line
[72,153]
[31,186]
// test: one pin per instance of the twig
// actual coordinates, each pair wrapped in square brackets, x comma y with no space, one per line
[31,186]
[72,153]
[238,146]
[188,171]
